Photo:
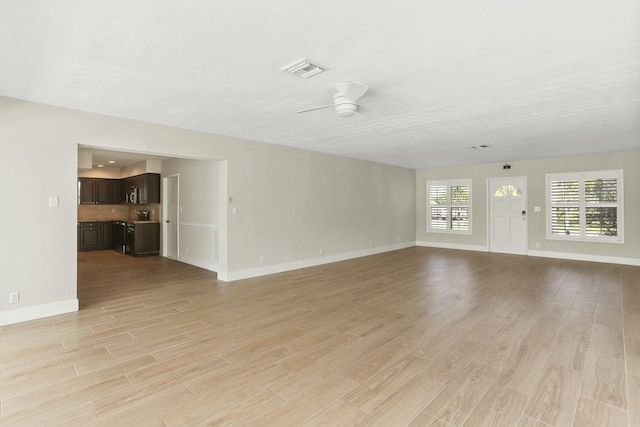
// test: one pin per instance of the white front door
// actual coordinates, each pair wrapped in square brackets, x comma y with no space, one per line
[508,215]
[171,216]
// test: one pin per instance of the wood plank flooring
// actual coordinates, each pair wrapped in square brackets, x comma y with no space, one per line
[416,337]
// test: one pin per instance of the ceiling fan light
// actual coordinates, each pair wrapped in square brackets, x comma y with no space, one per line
[346,110]
[344,107]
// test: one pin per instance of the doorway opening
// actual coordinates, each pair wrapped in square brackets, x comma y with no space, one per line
[204,210]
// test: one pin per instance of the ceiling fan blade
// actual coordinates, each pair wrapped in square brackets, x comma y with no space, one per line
[314,108]
[355,91]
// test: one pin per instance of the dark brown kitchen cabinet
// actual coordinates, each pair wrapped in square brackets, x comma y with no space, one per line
[87,190]
[149,188]
[99,191]
[95,235]
[89,237]
[106,235]
[115,192]
[144,239]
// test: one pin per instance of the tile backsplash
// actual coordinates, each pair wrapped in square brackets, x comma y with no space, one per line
[117,212]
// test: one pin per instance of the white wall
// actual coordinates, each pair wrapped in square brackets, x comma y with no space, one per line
[290,202]
[37,254]
[198,222]
[105,172]
[535,171]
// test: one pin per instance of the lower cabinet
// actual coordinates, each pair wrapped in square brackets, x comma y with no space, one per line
[89,235]
[146,239]
[140,238]
[106,236]
[94,236]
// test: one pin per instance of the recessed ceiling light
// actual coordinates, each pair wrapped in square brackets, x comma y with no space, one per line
[100,166]
[479,146]
[112,161]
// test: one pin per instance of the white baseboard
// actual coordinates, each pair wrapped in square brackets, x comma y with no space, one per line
[545,254]
[585,257]
[198,263]
[39,311]
[477,248]
[280,268]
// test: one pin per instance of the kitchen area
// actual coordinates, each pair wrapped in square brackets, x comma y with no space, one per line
[140,205]
[119,213]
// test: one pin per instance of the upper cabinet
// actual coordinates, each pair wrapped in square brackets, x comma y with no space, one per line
[149,191]
[95,191]
[139,189]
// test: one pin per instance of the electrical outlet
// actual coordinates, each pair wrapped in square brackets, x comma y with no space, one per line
[537,245]
[321,251]
[261,259]
[14,297]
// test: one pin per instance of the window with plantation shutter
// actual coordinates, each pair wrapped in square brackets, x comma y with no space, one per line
[585,206]
[449,206]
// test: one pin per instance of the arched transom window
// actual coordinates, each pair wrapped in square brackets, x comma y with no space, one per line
[508,190]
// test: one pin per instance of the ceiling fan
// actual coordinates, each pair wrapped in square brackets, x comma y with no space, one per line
[346,98]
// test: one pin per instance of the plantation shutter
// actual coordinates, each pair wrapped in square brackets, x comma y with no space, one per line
[565,207]
[449,206]
[438,201]
[585,206]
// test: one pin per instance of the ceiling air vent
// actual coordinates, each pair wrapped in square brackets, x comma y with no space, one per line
[304,68]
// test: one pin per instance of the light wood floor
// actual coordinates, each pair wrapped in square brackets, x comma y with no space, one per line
[416,337]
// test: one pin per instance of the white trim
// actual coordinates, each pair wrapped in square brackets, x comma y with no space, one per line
[490,195]
[198,263]
[477,248]
[193,224]
[165,210]
[280,268]
[582,205]
[585,257]
[448,183]
[223,207]
[38,311]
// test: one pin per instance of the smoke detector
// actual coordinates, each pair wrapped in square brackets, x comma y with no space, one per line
[304,68]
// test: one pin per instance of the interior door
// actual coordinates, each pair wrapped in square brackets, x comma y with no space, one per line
[508,215]
[171,216]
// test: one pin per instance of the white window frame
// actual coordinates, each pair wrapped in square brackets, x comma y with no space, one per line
[448,205]
[582,205]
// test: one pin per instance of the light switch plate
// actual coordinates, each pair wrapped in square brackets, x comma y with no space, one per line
[54,201]
[536,208]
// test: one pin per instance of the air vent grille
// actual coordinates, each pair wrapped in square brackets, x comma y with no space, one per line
[304,68]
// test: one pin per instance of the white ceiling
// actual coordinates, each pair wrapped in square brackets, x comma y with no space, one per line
[530,79]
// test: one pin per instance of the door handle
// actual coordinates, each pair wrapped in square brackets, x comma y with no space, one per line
[167,221]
